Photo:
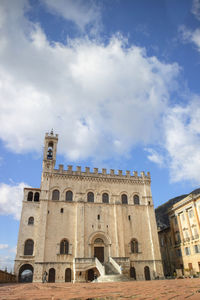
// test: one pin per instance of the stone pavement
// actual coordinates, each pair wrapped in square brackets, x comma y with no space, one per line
[157,289]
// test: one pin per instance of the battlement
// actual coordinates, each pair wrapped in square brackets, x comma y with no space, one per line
[103,173]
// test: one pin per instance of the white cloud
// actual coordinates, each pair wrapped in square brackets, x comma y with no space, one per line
[11,197]
[155,157]
[82,13]
[3,246]
[101,99]
[192,36]
[196,8]
[182,141]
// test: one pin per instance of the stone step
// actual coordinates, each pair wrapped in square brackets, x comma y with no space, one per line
[110,269]
[112,278]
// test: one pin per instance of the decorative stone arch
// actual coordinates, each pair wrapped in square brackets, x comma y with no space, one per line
[99,239]
[22,268]
[121,196]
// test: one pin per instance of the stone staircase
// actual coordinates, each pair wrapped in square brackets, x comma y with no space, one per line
[111,274]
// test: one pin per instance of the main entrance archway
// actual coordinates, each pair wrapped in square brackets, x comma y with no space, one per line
[99,246]
[99,253]
[99,249]
[25,273]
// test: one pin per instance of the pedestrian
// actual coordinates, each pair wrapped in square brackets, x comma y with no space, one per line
[44,278]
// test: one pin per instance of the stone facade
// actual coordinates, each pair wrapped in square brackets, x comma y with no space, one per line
[180,241]
[79,221]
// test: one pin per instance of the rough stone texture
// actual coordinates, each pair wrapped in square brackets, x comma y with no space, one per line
[163,289]
[116,226]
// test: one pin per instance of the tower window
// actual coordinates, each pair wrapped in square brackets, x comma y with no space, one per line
[64,247]
[30,196]
[129,217]
[134,246]
[90,197]
[36,197]
[55,195]
[105,198]
[136,199]
[50,151]
[69,196]
[28,247]
[31,221]
[61,210]
[124,199]
[98,217]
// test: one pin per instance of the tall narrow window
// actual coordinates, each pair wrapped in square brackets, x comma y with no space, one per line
[55,195]
[105,198]
[124,199]
[28,247]
[69,196]
[136,199]
[134,246]
[64,247]
[36,197]
[30,196]
[90,197]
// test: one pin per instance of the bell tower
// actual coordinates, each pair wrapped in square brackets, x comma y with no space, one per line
[50,148]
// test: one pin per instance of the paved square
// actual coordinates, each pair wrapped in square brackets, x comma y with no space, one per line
[162,289]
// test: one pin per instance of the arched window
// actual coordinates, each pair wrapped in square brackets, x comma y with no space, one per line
[124,199]
[136,199]
[36,197]
[30,196]
[50,151]
[69,196]
[55,195]
[90,197]
[134,246]
[31,221]
[28,247]
[64,247]
[105,198]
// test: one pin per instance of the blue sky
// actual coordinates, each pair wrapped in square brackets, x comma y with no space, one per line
[117,80]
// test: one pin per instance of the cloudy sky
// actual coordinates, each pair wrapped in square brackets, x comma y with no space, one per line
[118,80]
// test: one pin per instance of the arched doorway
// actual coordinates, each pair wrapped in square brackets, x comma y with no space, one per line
[147,273]
[52,275]
[90,275]
[99,249]
[68,275]
[132,273]
[25,273]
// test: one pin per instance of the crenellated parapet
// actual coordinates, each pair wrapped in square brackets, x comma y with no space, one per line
[103,173]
